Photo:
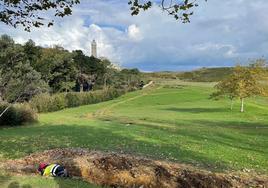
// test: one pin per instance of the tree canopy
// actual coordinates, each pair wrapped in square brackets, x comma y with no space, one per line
[29,13]
[26,70]
[244,82]
[18,80]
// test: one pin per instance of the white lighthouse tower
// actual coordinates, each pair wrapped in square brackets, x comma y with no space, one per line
[94,48]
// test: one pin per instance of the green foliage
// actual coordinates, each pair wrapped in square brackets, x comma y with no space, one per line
[35,69]
[91,70]
[18,79]
[58,102]
[32,52]
[28,13]
[103,74]
[55,102]
[126,78]
[206,74]
[49,103]
[17,114]
[23,82]
[200,75]
[57,68]
[74,99]
[161,75]
[180,10]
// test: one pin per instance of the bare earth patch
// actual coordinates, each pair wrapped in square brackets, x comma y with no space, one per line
[120,170]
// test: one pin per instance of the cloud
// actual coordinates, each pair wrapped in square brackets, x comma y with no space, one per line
[70,34]
[227,50]
[134,33]
[220,32]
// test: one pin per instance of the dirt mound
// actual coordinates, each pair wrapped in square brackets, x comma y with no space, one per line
[118,170]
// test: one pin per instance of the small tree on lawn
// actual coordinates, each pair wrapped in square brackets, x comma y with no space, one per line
[245,82]
[225,88]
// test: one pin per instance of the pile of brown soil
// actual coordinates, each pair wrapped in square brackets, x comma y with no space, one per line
[119,170]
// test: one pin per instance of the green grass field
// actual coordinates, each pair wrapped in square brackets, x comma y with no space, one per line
[173,120]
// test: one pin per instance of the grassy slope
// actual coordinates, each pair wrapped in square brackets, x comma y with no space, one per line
[172,122]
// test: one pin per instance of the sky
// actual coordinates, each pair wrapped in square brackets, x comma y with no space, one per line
[221,33]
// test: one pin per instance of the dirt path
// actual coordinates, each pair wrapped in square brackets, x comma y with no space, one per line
[149,84]
[119,170]
[104,111]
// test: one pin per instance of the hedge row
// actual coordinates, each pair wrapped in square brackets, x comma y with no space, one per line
[17,114]
[51,103]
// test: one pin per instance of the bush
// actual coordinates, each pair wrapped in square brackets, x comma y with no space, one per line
[17,114]
[50,103]
[59,101]
[74,99]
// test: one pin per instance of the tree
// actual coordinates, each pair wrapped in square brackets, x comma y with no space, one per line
[32,52]
[108,72]
[29,13]
[18,80]
[92,71]
[60,69]
[5,42]
[245,82]
[226,88]
[23,83]
[57,68]
[128,78]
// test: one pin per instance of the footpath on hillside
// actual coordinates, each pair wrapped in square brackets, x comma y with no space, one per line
[104,111]
[121,170]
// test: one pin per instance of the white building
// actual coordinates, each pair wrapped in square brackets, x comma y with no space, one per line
[94,49]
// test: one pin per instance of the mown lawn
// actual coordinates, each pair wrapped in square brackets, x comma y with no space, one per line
[174,121]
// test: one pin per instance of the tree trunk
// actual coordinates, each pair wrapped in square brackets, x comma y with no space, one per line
[81,88]
[242,105]
[232,104]
[10,104]
[5,110]
[105,82]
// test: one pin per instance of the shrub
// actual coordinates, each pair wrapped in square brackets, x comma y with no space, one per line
[41,102]
[74,99]
[59,102]
[50,103]
[17,114]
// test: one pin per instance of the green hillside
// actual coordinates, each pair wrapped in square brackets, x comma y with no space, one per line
[200,75]
[173,121]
